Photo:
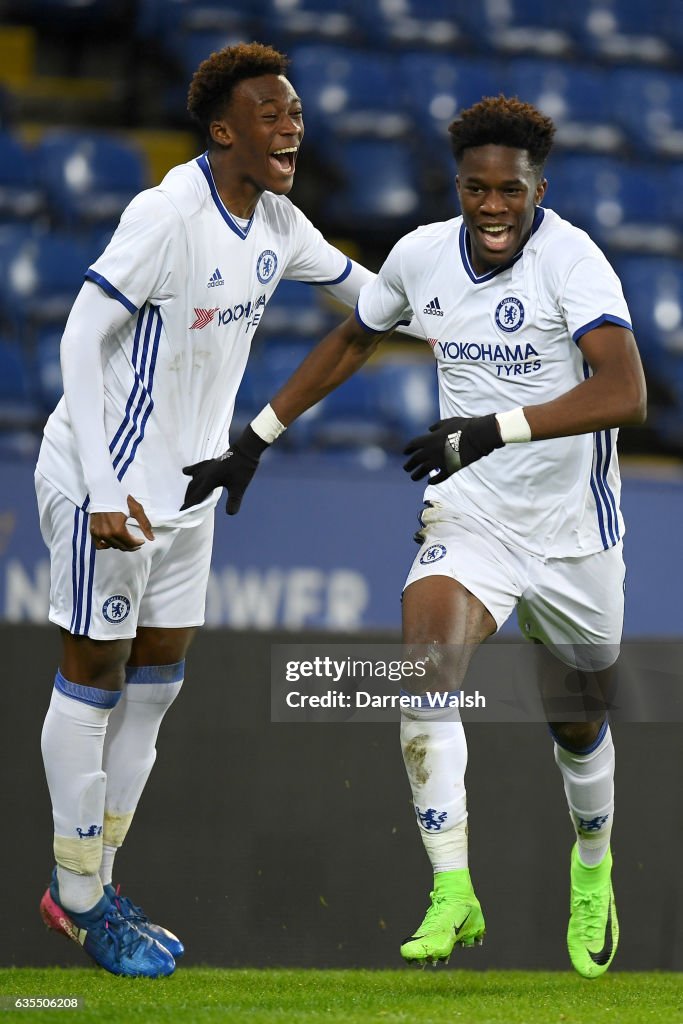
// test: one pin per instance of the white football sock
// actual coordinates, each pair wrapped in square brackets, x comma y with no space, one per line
[447,850]
[589,785]
[435,757]
[107,863]
[72,742]
[129,750]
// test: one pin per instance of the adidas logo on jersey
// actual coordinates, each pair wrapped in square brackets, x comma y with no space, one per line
[434,308]
[215,280]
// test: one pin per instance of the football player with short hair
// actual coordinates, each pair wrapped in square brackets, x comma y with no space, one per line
[537,368]
[152,356]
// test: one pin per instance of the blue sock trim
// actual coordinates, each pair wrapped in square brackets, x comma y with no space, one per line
[581,750]
[87,694]
[156,673]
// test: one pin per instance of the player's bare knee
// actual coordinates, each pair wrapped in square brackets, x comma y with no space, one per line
[98,663]
[443,666]
[158,646]
[577,735]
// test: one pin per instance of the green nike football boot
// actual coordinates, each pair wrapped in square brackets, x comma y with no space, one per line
[593,932]
[454,917]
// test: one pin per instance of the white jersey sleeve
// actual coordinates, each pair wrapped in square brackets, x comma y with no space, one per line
[145,252]
[348,289]
[316,262]
[94,318]
[382,303]
[592,295]
[313,260]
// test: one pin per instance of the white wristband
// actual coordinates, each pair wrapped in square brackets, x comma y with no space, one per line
[267,425]
[513,426]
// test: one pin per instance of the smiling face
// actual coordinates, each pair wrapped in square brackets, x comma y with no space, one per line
[258,138]
[499,191]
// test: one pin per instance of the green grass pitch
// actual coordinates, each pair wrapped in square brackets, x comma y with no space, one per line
[442,996]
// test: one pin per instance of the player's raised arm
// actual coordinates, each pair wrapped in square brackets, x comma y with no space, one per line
[329,364]
[347,291]
[614,395]
[343,351]
[382,307]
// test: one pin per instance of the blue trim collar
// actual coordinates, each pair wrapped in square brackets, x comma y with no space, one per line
[466,250]
[205,167]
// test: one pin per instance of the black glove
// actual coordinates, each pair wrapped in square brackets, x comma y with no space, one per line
[451,445]
[233,470]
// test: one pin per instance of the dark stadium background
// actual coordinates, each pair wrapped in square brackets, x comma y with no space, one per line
[265,843]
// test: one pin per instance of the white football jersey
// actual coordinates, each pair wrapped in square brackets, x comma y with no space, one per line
[510,338]
[196,284]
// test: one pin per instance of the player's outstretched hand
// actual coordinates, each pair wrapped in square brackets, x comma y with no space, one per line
[451,445]
[109,530]
[233,470]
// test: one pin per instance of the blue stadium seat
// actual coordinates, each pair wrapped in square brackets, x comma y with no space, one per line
[350,416]
[89,178]
[48,371]
[624,207]
[380,186]
[14,235]
[383,405]
[673,24]
[414,24]
[520,26]
[21,196]
[18,407]
[272,364]
[40,279]
[621,31]
[408,396]
[349,92]
[191,48]
[249,399]
[296,309]
[317,20]
[649,105]
[19,443]
[169,23]
[269,367]
[654,293]
[674,191]
[436,87]
[576,97]
[15,238]
[212,15]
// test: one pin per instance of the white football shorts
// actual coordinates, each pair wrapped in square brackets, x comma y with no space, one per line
[107,594]
[575,606]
